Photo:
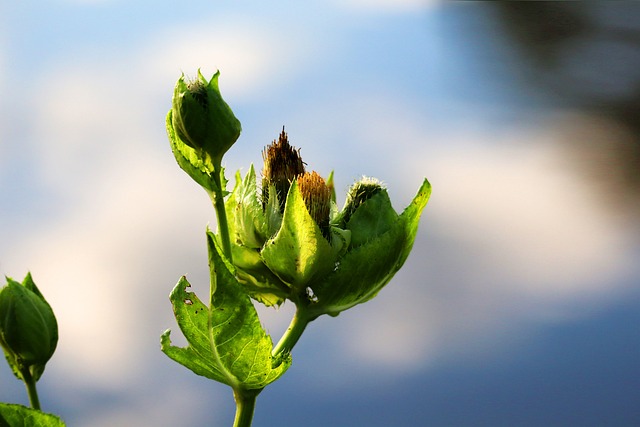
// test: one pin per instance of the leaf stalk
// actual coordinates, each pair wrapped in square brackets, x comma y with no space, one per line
[245,407]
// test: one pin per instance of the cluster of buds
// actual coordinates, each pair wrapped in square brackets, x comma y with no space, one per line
[290,240]
[28,328]
[287,237]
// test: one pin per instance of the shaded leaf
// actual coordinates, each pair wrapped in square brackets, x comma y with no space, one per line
[365,270]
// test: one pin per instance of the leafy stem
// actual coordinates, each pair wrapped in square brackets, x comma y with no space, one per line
[217,197]
[30,383]
[245,406]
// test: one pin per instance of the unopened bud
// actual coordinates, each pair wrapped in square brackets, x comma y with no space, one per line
[201,118]
[282,164]
[28,327]
[359,193]
[317,198]
[367,212]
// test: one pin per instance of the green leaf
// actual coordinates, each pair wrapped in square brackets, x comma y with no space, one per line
[194,162]
[299,252]
[365,270]
[227,343]
[12,415]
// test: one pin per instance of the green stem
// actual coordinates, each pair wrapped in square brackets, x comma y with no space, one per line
[31,388]
[245,406]
[293,333]
[218,203]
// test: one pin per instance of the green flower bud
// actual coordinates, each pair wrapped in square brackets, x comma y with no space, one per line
[381,241]
[299,253]
[201,119]
[28,327]
[367,212]
[282,164]
[359,193]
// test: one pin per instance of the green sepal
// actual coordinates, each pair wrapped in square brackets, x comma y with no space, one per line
[227,343]
[257,280]
[363,271]
[28,328]
[250,223]
[372,218]
[332,186]
[12,415]
[299,252]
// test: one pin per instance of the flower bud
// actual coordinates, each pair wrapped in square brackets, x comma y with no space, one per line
[359,193]
[28,327]
[367,212]
[282,164]
[317,198]
[381,241]
[201,119]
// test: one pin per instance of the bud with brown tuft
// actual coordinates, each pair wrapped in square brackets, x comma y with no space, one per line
[317,198]
[282,164]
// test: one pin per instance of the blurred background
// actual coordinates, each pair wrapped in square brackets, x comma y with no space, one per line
[520,303]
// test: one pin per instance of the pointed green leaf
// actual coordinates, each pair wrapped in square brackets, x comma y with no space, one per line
[193,320]
[410,217]
[231,208]
[197,165]
[12,415]
[226,341]
[299,252]
[365,270]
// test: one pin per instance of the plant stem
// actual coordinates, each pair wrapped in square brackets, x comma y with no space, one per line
[293,333]
[31,388]
[218,203]
[245,406]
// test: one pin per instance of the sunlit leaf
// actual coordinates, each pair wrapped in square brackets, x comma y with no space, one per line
[227,343]
[12,415]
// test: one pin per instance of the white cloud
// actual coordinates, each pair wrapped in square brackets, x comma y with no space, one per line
[389,5]
[250,57]
[533,220]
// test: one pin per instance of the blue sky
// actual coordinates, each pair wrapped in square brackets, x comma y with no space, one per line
[518,305]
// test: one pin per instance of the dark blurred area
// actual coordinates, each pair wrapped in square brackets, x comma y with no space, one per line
[584,57]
